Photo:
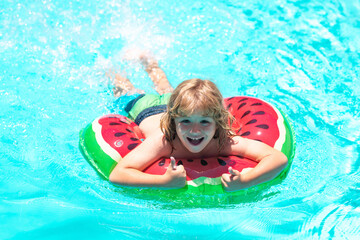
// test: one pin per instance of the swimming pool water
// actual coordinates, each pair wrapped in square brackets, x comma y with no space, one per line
[302,56]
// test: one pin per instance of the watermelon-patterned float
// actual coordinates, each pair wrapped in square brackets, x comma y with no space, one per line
[109,138]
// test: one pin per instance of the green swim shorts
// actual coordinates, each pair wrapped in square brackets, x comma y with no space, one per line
[146,105]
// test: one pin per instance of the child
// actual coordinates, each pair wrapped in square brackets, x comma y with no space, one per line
[193,124]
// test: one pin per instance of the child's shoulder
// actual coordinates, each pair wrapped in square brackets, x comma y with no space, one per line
[157,142]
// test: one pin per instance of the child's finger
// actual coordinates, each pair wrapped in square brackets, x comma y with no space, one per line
[232,171]
[225,177]
[224,182]
[173,163]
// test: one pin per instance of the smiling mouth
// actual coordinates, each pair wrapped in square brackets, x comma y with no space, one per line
[195,141]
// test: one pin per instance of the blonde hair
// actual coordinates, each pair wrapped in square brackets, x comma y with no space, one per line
[190,96]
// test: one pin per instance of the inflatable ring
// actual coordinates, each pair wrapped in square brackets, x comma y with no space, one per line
[109,138]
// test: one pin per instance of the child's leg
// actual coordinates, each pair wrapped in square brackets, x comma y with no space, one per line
[156,74]
[122,85]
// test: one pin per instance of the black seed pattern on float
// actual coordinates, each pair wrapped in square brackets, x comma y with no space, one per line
[241,105]
[263,126]
[221,162]
[190,160]
[251,121]
[259,113]
[203,162]
[114,123]
[129,130]
[179,163]
[119,134]
[132,146]
[241,100]
[134,139]
[245,134]
[246,113]
[229,106]
[256,104]
[162,162]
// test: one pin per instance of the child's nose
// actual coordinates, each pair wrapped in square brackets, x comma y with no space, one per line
[195,128]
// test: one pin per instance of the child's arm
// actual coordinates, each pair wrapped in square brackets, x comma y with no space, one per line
[128,172]
[270,163]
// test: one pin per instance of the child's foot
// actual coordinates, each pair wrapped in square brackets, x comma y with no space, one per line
[151,66]
[143,56]
[149,63]
[118,91]
[122,85]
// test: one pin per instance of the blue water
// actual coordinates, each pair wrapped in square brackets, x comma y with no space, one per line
[303,56]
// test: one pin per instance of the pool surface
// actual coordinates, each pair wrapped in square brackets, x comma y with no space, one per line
[302,56]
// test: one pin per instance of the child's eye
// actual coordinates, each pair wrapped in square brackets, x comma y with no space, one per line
[185,121]
[205,122]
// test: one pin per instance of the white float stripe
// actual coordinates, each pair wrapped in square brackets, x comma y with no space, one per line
[96,127]
[202,180]
[282,131]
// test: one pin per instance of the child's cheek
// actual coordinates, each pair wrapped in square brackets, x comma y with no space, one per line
[182,127]
[210,128]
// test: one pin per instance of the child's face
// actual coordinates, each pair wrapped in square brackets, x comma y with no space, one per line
[195,131]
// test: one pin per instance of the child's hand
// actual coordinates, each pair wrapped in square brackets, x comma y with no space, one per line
[233,181]
[175,175]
